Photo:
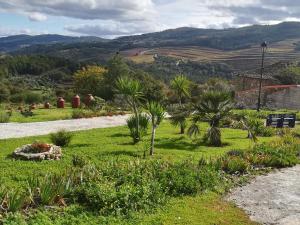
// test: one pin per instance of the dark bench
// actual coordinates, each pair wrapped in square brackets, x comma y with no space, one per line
[281,120]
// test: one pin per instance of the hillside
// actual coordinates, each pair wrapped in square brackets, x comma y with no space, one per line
[212,52]
[16,42]
[226,39]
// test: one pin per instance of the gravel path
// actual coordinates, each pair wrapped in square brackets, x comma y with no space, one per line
[16,130]
[273,198]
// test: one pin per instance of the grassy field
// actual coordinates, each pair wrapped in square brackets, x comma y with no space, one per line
[40,115]
[101,145]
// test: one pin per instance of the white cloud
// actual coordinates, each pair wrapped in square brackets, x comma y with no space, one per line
[125,17]
[37,17]
[84,9]
[112,28]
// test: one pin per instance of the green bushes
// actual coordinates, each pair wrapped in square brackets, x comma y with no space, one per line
[259,129]
[4,117]
[83,113]
[123,187]
[274,156]
[61,138]
[143,126]
[234,165]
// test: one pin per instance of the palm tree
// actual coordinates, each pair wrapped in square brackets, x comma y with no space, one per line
[132,91]
[181,86]
[212,108]
[179,115]
[156,113]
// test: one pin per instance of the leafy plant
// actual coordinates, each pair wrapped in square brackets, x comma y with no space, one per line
[132,91]
[212,108]
[4,116]
[234,164]
[143,125]
[181,86]
[179,115]
[61,138]
[258,128]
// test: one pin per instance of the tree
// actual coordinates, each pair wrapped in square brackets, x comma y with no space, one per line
[157,113]
[116,68]
[181,86]
[212,108]
[90,80]
[132,91]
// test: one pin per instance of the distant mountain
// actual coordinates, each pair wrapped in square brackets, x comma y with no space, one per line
[225,39]
[12,43]
[212,45]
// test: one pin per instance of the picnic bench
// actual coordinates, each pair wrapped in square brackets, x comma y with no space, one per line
[281,120]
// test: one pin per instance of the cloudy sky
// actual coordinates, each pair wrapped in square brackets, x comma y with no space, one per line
[111,18]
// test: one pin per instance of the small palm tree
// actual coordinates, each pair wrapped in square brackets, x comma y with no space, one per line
[132,91]
[156,113]
[179,115]
[213,107]
[181,86]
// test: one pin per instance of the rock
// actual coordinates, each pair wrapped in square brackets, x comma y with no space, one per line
[54,153]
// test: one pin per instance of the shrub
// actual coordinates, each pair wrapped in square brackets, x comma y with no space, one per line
[143,125]
[83,113]
[233,164]
[4,117]
[97,104]
[61,138]
[32,97]
[278,156]
[258,128]
[79,161]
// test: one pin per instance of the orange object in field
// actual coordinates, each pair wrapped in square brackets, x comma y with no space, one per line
[47,105]
[89,99]
[60,103]
[76,101]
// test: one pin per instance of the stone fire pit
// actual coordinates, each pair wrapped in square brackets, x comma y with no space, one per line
[38,151]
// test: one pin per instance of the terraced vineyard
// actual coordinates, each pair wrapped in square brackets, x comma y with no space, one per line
[245,59]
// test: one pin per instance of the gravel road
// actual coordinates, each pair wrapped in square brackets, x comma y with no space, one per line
[16,130]
[273,198]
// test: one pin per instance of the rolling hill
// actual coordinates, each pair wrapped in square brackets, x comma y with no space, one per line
[12,43]
[236,47]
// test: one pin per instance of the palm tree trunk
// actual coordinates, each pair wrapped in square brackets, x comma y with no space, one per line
[181,124]
[137,138]
[152,139]
[181,128]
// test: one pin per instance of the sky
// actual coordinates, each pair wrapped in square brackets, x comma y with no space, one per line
[113,18]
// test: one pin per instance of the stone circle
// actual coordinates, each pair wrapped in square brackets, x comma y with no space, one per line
[23,152]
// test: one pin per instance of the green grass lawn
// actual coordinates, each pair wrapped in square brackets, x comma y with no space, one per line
[40,115]
[101,145]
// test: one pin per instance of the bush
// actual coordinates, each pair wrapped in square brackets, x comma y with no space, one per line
[144,123]
[61,138]
[4,117]
[83,113]
[278,156]
[233,164]
[32,97]
[258,128]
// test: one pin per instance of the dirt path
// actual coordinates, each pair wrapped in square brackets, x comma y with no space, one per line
[273,198]
[16,130]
